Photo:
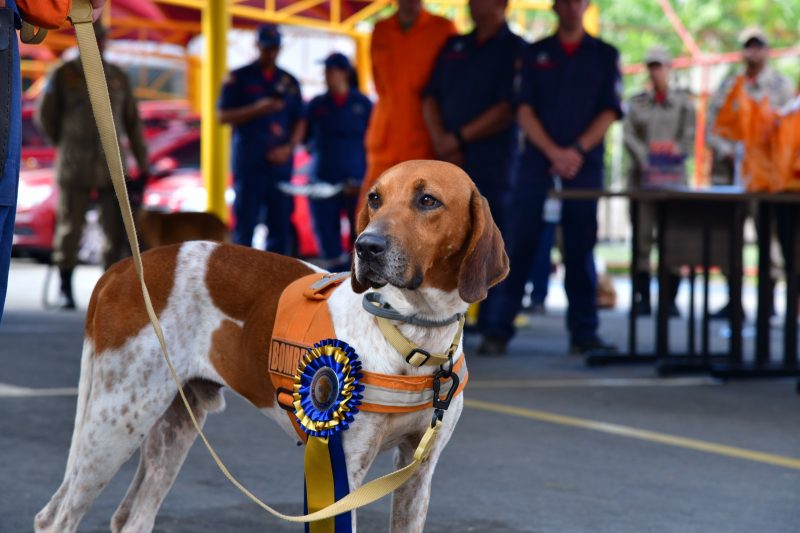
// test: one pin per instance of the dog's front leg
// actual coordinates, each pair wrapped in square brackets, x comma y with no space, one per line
[362,443]
[410,501]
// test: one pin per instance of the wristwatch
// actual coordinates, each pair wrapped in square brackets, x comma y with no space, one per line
[580,149]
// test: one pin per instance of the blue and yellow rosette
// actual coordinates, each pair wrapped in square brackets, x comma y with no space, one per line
[327,394]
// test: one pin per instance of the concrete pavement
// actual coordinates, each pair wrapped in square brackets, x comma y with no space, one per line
[545,444]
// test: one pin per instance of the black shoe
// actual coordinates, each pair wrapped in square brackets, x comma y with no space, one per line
[674,312]
[537,308]
[643,308]
[65,299]
[724,313]
[641,294]
[492,346]
[596,346]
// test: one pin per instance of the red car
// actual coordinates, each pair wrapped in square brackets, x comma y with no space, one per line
[37,152]
[180,188]
[36,206]
[176,185]
[156,115]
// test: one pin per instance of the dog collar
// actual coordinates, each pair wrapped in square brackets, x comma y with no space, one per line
[413,354]
[374,304]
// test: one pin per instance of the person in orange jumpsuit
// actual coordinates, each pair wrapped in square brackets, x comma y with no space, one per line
[404,49]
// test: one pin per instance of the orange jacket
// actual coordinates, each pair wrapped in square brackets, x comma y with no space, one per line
[401,65]
[786,149]
[49,14]
[753,123]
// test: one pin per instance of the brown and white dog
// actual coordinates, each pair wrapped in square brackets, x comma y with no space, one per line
[426,241]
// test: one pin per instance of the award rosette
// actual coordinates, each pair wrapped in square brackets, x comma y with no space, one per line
[327,394]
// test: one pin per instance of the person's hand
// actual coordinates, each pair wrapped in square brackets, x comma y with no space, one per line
[664,148]
[566,162]
[456,158]
[97,8]
[267,105]
[280,154]
[445,145]
[351,187]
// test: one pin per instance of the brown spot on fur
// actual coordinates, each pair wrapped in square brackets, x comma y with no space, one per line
[116,310]
[246,285]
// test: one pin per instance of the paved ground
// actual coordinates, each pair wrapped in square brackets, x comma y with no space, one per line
[545,444]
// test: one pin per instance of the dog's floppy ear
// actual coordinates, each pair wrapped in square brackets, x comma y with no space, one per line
[362,222]
[485,262]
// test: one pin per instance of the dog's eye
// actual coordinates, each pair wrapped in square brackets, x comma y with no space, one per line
[374,200]
[426,201]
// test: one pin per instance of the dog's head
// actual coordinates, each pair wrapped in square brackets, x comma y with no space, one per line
[424,224]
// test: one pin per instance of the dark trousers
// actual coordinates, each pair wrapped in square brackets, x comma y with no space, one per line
[525,228]
[497,198]
[542,264]
[327,215]
[255,193]
[7,215]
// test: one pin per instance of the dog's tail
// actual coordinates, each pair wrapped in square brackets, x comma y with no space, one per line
[84,392]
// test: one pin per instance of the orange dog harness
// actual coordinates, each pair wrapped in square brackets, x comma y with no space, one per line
[303,318]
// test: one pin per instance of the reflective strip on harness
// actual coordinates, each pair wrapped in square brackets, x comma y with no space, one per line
[393,394]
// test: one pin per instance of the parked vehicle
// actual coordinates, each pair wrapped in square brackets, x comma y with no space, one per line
[175,185]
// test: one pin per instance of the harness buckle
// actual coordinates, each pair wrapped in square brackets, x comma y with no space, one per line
[440,404]
[414,355]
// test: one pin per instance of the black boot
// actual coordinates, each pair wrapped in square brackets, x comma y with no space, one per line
[641,293]
[65,299]
[674,285]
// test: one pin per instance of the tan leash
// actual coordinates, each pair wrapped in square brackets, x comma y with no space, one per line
[81,18]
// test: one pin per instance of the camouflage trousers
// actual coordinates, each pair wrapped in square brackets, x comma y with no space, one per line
[73,205]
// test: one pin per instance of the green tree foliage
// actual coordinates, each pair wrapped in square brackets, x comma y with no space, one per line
[634,26]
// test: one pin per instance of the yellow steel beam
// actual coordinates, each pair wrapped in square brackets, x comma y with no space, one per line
[192,4]
[363,61]
[260,15]
[296,7]
[365,12]
[214,148]
[129,23]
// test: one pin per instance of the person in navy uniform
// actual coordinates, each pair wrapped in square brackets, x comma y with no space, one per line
[468,108]
[337,125]
[264,105]
[569,95]
[468,102]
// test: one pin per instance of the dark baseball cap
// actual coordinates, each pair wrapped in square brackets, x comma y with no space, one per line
[268,36]
[337,60]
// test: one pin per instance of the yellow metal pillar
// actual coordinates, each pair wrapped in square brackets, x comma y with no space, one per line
[363,61]
[215,138]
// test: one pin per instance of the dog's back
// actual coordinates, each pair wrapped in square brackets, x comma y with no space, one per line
[162,229]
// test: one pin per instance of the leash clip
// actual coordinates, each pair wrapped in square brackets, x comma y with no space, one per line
[440,405]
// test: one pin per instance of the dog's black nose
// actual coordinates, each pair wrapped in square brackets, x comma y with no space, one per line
[370,246]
